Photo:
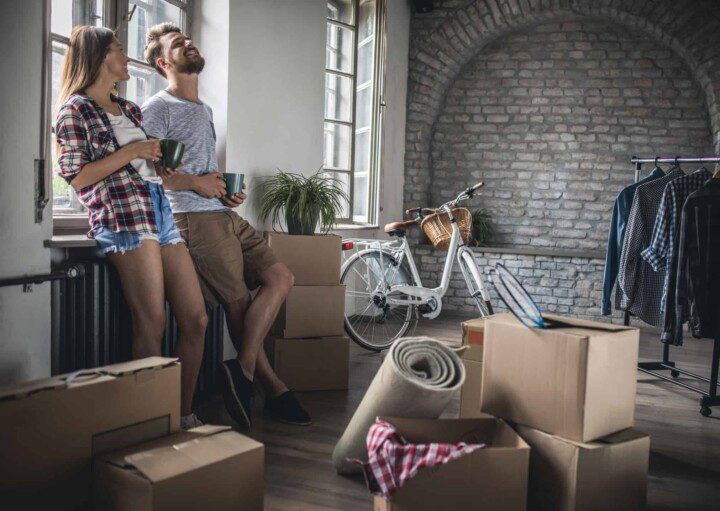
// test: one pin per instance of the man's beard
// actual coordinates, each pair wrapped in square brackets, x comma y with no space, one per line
[190,66]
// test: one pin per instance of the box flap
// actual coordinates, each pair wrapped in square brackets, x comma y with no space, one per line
[481,429]
[138,365]
[571,326]
[25,389]
[621,437]
[182,453]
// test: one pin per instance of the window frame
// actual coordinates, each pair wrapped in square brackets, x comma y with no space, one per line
[376,121]
[114,16]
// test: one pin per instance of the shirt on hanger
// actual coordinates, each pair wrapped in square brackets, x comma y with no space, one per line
[697,293]
[662,252]
[618,224]
[640,288]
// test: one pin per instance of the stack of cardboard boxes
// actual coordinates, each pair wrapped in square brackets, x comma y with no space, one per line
[307,345]
[111,436]
[569,391]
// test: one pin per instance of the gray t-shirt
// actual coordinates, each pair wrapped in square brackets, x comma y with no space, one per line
[167,116]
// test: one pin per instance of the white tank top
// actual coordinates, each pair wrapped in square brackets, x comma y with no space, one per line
[125,133]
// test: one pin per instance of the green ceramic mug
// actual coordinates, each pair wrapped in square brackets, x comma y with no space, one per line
[172,153]
[233,183]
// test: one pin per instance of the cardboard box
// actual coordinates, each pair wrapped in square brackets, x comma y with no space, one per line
[471,389]
[576,380]
[472,337]
[312,311]
[609,474]
[210,467]
[51,428]
[314,260]
[492,479]
[311,364]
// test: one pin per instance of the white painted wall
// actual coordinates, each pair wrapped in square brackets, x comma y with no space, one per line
[210,31]
[24,317]
[275,91]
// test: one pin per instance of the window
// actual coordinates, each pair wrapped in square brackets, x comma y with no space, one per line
[353,104]
[144,80]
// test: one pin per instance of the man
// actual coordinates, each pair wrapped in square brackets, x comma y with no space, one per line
[230,256]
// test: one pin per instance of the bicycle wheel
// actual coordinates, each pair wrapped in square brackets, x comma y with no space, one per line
[370,320]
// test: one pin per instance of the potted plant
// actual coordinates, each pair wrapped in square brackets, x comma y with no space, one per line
[304,200]
[482,228]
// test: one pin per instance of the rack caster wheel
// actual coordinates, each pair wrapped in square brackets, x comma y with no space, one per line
[674,374]
[705,411]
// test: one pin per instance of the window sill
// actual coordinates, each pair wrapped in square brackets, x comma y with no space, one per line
[354,227]
[69,241]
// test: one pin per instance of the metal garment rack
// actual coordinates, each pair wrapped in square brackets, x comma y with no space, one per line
[709,398]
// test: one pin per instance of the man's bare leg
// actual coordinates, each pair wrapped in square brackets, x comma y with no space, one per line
[277,281]
[235,315]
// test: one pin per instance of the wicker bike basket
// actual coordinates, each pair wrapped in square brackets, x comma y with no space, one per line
[437,227]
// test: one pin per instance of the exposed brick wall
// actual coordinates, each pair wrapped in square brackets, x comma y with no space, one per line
[562,285]
[549,118]
[601,80]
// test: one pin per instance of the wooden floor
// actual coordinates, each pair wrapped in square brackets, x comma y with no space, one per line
[684,462]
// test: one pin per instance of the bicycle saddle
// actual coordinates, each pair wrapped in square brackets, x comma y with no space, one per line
[397,227]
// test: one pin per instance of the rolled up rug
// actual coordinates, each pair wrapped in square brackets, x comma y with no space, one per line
[417,379]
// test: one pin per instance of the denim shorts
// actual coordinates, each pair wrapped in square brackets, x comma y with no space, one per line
[168,234]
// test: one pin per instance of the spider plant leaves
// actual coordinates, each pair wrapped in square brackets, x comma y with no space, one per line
[305,199]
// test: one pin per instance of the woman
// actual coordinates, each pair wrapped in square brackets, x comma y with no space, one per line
[104,154]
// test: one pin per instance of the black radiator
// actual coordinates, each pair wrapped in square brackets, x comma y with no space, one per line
[92,326]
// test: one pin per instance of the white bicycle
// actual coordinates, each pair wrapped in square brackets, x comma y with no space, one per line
[384,294]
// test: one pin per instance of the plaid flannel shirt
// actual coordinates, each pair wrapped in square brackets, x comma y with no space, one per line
[121,201]
[661,251]
[392,461]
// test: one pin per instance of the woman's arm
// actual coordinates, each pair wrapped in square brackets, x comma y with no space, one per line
[98,170]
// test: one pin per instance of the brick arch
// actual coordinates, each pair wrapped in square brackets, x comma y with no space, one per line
[438,60]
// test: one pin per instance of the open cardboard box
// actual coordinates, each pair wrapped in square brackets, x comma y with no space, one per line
[609,474]
[50,429]
[576,379]
[492,479]
[313,260]
[210,467]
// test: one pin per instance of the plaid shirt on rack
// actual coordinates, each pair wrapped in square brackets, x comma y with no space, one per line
[121,201]
[661,251]
[392,461]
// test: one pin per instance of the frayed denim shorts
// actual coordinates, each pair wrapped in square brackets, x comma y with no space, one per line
[168,234]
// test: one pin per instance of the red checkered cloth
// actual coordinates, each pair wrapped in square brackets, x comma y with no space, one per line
[121,201]
[392,461]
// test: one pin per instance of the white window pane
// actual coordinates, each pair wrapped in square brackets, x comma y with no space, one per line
[360,198]
[143,83]
[61,20]
[366,60]
[64,199]
[147,14]
[366,19]
[343,180]
[363,108]
[339,49]
[362,151]
[338,97]
[337,146]
[341,10]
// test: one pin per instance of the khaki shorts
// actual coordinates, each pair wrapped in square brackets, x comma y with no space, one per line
[228,253]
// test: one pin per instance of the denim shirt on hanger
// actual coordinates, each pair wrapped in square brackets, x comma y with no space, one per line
[618,224]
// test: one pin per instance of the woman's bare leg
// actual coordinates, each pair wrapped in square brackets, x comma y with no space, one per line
[141,277]
[186,301]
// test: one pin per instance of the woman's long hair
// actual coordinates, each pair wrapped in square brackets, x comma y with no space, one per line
[88,47]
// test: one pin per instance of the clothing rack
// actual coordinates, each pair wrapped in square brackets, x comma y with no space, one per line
[709,398]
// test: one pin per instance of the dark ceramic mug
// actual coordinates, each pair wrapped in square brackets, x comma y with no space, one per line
[233,183]
[172,153]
